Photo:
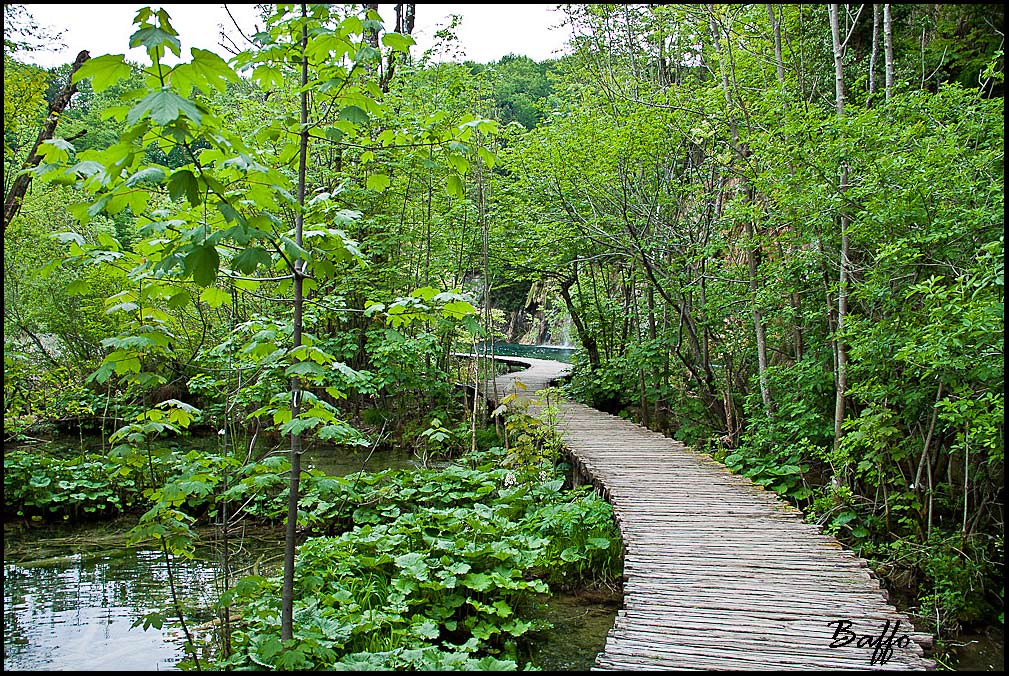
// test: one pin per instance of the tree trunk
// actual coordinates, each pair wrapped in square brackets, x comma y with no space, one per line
[796,311]
[779,63]
[730,409]
[758,322]
[406,16]
[888,49]
[371,35]
[587,340]
[874,54]
[287,597]
[405,19]
[13,199]
[842,313]
[838,53]
[751,254]
[842,293]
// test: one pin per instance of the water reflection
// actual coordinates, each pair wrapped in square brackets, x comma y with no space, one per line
[77,613]
[339,461]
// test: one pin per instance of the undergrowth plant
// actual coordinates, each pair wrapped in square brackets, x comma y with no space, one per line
[434,570]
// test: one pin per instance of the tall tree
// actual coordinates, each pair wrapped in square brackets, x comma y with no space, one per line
[725,67]
[845,219]
[874,51]
[406,16]
[290,539]
[15,195]
[888,50]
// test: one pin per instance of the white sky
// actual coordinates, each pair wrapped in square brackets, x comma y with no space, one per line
[487,32]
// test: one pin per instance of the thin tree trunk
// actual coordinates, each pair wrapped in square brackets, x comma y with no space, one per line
[427,226]
[779,63]
[14,198]
[842,294]
[370,34]
[796,312]
[751,254]
[730,410]
[656,376]
[405,16]
[287,598]
[925,458]
[838,53]
[842,313]
[636,314]
[888,49]
[966,477]
[587,340]
[758,321]
[928,530]
[190,645]
[482,223]
[874,54]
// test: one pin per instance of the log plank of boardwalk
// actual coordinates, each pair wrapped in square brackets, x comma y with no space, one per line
[719,574]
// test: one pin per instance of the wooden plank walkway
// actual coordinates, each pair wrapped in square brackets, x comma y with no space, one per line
[719,574]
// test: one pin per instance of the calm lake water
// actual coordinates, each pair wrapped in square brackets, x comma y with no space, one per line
[76,613]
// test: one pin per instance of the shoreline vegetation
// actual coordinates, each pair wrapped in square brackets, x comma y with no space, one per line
[475,545]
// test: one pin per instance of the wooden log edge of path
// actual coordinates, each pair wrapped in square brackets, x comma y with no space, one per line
[719,574]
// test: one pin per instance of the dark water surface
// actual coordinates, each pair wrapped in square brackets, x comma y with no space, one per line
[980,650]
[581,622]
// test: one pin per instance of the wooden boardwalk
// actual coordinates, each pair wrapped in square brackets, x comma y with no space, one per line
[718,573]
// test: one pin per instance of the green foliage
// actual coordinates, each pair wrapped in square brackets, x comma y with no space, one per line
[956,582]
[533,443]
[434,568]
[781,471]
[437,440]
[69,488]
[24,107]
[699,252]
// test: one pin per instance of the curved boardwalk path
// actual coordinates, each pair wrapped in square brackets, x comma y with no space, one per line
[719,574]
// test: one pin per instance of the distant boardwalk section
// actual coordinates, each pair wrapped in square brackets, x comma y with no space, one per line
[720,574]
